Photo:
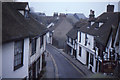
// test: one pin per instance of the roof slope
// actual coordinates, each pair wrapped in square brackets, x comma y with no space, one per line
[110,22]
[62,28]
[15,26]
[79,16]
[71,18]
[73,32]
[18,5]
[46,20]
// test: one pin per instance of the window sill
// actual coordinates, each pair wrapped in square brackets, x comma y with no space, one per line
[17,67]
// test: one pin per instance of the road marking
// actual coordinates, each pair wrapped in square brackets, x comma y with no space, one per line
[75,67]
[56,69]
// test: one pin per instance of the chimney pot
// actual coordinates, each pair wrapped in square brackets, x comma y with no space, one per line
[110,8]
[91,14]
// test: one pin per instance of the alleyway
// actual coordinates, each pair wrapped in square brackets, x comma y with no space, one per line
[60,67]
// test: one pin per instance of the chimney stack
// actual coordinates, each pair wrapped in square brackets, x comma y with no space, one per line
[55,14]
[110,8]
[91,16]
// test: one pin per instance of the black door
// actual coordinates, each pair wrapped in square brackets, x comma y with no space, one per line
[34,70]
[74,53]
[87,58]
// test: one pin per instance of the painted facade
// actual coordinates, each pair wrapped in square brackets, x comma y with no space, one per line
[35,61]
[23,48]
[8,61]
[97,51]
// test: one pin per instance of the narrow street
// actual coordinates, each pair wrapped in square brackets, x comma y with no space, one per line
[63,68]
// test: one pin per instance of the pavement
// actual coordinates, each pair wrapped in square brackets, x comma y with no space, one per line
[49,69]
[61,65]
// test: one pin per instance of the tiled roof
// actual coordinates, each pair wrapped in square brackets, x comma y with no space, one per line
[110,22]
[15,26]
[79,16]
[73,32]
[46,20]
[18,5]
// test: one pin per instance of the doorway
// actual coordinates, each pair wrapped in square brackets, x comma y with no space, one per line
[87,59]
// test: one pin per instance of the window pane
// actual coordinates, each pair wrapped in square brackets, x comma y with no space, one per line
[18,52]
[33,46]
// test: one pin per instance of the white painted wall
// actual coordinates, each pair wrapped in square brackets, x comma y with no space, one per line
[40,63]
[8,61]
[91,41]
[86,48]
[94,63]
[48,37]
[82,38]
[82,58]
[39,51]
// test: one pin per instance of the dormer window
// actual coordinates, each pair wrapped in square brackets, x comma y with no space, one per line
[27,7]
[92,23]
[100,24]
[97,25]
[26,14]
[89,24]
[22,12]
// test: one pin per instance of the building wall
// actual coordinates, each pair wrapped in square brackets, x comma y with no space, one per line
[81,58]
[89,48]
[82,38]
[49,38]
[60,32]
[86,48]
[38,53]
[8,61]
[91,41]
[94,63]
[40,63]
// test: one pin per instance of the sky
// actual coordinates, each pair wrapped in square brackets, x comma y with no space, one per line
[71,6]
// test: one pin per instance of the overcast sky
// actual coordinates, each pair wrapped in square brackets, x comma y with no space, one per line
[71,6]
